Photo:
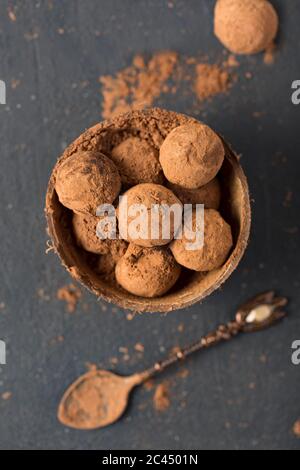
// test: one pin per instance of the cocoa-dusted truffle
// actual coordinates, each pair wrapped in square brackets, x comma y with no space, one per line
[137,162]
[245,26]
[217,244]
[85,180]
[149,195]
[85,231]
[147,272]
[191,155]
[84,227]
[209,194]
[107,262]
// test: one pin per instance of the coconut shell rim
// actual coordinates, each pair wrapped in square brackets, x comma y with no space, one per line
[141,304]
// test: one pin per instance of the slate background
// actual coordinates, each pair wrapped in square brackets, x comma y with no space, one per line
[239,396]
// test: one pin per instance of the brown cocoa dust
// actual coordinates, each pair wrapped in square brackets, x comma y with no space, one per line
[161,397]
[211,80]
[140,84]
[139,347]
[71,295]
[296,428]
[269,55]
[6,396]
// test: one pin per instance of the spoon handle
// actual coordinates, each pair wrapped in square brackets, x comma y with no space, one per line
[223,333]
[258,313]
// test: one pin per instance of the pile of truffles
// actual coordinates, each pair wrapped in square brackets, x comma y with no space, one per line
[183,171]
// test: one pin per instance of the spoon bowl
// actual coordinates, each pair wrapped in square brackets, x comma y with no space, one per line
[97,399]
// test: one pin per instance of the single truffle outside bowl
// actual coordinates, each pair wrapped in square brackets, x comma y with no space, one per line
[153,125]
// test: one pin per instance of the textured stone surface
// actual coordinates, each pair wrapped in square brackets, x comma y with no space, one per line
[52,105]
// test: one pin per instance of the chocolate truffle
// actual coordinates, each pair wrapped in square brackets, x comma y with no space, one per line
[107,262]
[245,26]
[147,272]
[85,180]
[137,162]
[165,225]
[191,155]
[209,195]
[217,244]
[84,227]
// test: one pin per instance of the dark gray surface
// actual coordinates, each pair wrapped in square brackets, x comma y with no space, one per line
[242,395]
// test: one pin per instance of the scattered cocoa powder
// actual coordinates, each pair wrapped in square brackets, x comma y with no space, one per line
[14,83]
[58,339]
[103,307]
[211,80]
[138,85]
[142,406]
[288,199]
[269,55]
[31,35]
[258,114]
[91,366]
[125,352]
[183,373]
[71,295]
[231,61]
[139,347]
[114,361]
[41,293]
[149,385]
[6,396]
[161,397]
[263,358]
[12,14]
[296,429]
[130,316]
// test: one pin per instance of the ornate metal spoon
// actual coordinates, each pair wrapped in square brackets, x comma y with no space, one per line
[99,398]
